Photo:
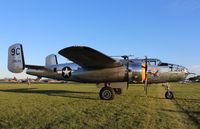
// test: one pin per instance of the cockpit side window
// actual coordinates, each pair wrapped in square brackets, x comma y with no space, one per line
[151,63]
[163,64]
[158,62]
[176,68]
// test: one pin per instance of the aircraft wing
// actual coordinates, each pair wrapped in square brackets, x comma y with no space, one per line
[89,58]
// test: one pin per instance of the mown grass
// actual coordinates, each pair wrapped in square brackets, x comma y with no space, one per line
[46,106]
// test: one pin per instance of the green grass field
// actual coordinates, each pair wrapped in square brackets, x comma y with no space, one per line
[46,106]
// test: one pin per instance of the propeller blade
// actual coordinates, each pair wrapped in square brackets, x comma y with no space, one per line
[127,69]
[146,78]
[146,85]
[146,65]
[122,56]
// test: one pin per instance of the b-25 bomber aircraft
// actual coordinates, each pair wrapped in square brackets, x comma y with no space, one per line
[92,66]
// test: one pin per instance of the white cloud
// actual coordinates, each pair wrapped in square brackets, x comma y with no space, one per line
[195,69]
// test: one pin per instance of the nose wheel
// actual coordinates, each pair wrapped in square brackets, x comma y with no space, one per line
[168,94]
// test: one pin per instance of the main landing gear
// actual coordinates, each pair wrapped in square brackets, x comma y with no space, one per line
[168,94]
[118,91]
[108,93]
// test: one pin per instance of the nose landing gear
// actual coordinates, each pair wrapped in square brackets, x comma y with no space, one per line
[168,94]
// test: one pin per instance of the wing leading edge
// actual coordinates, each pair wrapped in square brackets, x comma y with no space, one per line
[89,58]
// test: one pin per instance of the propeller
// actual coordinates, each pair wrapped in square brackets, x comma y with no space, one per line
[127,68]
[146,78]
[126,58]
[122,56]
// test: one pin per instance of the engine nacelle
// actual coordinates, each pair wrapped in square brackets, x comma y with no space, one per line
[138,73]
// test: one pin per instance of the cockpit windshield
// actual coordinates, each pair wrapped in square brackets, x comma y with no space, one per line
[152,62]
[173,67]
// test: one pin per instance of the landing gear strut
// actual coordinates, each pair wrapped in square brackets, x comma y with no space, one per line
[168,94]
[118,91]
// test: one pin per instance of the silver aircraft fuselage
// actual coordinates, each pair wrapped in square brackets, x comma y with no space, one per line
[158,72]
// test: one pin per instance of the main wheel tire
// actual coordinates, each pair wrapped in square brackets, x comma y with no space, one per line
[118,91]
[169,95]
[107,93]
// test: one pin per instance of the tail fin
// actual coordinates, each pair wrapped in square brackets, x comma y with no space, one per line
[16,63]
[51,60]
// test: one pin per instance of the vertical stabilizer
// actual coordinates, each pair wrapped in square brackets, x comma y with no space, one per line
[16,63]
[51,60]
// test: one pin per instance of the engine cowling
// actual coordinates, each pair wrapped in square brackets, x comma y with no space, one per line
[138,73]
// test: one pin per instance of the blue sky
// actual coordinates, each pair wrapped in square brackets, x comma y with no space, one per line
[164,29]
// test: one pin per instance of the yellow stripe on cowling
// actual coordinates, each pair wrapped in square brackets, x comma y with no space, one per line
[143,72]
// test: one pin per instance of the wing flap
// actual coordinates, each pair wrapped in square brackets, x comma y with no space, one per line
[89,58]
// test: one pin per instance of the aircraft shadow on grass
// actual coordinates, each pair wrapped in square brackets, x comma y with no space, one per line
[60,93]
[185,99]
[152,97]
[191,114]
